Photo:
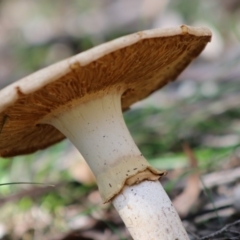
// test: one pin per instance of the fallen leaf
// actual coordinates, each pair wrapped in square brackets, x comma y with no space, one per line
[186,200]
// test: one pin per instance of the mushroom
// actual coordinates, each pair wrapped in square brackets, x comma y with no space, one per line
[82,98]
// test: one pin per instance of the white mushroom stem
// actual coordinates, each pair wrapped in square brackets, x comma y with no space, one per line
[148,212]
[97,128]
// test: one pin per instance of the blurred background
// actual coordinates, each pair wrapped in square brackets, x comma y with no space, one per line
[191,127]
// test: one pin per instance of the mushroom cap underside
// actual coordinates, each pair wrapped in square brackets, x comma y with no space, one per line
[141,63]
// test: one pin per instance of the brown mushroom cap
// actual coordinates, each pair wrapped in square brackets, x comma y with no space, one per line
[142,62]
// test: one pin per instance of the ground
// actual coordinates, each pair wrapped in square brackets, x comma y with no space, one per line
[191,127]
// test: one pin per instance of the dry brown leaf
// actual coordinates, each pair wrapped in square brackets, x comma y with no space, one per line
[79,169]
[184,202]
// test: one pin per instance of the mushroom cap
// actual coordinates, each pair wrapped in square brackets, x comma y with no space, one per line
[142,63]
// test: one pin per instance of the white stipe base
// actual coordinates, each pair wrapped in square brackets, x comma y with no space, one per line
[148,213]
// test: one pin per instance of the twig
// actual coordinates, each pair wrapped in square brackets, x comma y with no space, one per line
[193,234]
[33,192]
[221,230]
[209,195]
[236,232]
[31,183]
